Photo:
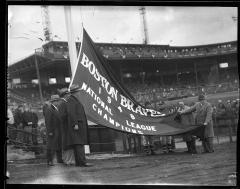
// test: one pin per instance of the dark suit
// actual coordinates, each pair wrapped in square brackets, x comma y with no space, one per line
[75,127]
[27,126]
[18,119]
[34,119]
[53,126]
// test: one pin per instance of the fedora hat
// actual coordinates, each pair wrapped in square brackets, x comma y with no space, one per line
[54,97]
[201,97]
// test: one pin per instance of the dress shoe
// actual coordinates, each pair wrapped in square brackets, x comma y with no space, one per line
[60,161]
[88,165]
[84,165]
[205,152]
[152,152]
[194,152]
[50,163]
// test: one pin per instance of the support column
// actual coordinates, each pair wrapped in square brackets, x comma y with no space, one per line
[124,142]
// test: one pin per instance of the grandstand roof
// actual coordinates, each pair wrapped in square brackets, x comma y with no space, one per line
[44,59]
[28,63]
[143,45]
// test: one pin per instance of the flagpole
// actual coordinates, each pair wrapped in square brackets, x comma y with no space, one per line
[71,41]
[72,51]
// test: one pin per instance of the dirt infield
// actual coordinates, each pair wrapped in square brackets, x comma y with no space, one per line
[217,168]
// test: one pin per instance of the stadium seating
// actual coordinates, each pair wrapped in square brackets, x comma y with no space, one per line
[160,52]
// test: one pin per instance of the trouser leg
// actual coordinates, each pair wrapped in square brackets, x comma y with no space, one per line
[135,144]
[208,145]
[193,146]
[14,133]
[235,126]
[27,134]
[10,131]
[204,145]
[50,155]
[79,154]
[173,143]
[20,134]
[170,143]
[129,144]
[34,136]
[24,136]
[164,142]
[188,146]
[139,143]
[59,156]
[124,139]
[151,145]
[229,124]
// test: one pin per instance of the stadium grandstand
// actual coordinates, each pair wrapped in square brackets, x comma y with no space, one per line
[152,73]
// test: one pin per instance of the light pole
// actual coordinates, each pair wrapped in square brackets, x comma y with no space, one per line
[38,76]
[129,40]
[196,76]
[114,39]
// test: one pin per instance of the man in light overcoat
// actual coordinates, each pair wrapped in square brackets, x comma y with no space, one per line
[204,111]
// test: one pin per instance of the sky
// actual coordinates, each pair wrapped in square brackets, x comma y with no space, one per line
[176,26]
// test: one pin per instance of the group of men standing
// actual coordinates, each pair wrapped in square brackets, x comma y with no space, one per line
[67,128]
[23,119]
[227,112]
[199,114]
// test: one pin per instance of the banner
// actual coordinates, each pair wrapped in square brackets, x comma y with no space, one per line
[108,103]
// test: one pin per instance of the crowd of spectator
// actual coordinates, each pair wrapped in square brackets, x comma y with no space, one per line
[154,51]
[155,92]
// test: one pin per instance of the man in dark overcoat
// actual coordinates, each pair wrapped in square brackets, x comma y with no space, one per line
[27,124]
[18,118]
[74,125]
[34,119]
[53,126]
[204,111]
[230,117]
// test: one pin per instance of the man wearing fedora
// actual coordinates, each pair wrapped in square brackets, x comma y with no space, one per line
[203,111]
[74,124]
[53,126]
